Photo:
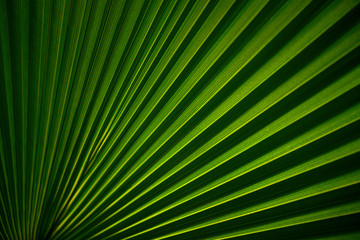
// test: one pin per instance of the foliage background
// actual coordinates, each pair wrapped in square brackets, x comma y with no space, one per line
[179,119]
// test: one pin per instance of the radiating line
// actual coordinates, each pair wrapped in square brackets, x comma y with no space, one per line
[184,119]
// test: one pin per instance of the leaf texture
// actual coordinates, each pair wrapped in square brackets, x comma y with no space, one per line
[199,119]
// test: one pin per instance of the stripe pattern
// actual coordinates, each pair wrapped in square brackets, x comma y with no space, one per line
[179,119]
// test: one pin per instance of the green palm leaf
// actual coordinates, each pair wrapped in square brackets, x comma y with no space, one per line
[179,119]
